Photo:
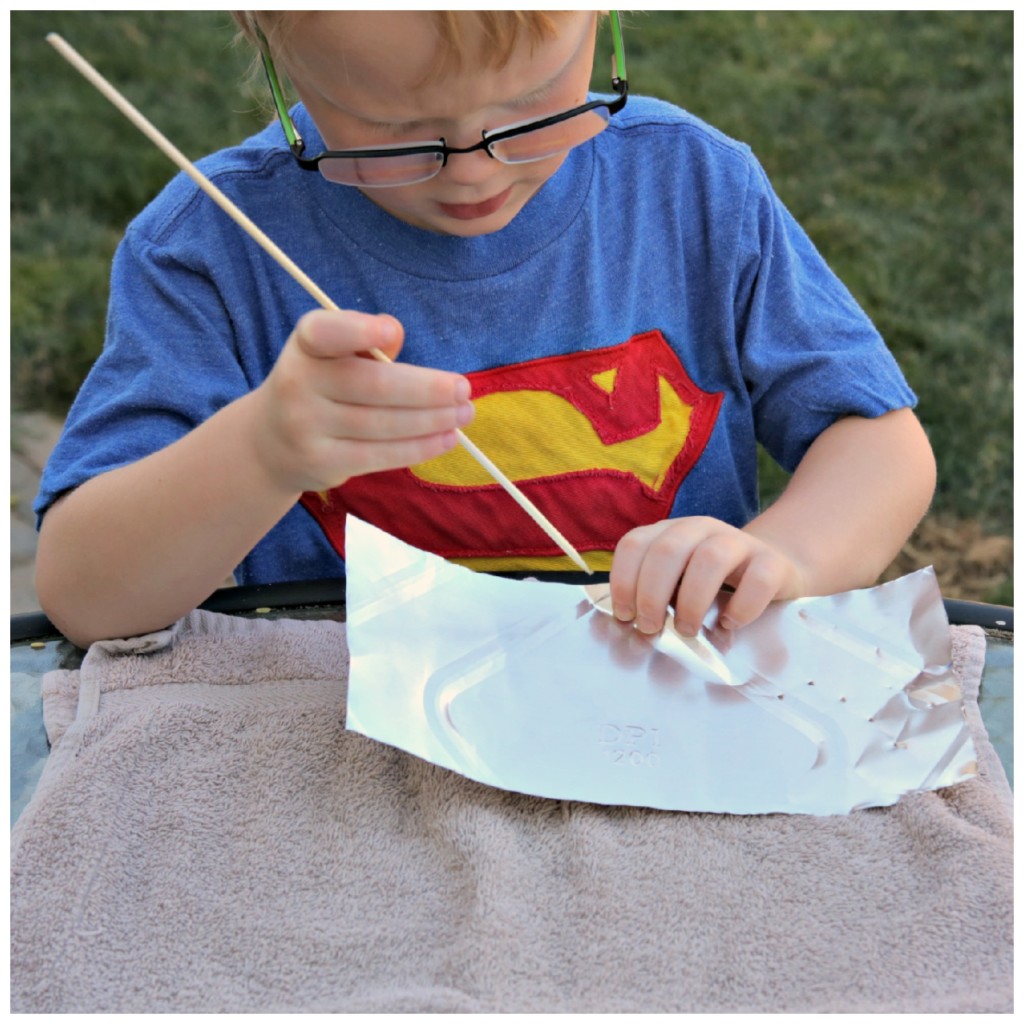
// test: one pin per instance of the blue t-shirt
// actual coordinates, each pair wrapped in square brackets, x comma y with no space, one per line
[649,316]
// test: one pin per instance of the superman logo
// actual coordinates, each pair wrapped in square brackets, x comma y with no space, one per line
[600,441]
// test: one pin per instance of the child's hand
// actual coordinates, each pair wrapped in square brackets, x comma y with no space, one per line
[685,562]
[325,413]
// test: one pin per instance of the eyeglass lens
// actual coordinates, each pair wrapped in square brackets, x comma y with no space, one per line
[381,171]
[541,143]
[410,168]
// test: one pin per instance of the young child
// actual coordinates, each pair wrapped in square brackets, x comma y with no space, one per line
[622,294]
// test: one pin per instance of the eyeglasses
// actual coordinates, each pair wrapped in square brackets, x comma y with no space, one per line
[409,163]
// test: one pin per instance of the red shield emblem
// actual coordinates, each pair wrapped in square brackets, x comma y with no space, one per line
[599,440]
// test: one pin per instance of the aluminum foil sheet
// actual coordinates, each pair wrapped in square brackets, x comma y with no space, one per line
[821,706]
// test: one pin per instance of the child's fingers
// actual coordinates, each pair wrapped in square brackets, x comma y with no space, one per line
[647,567]
[627,561]
[330,334]
[331,414]
[713,560]
[385,423]
[393,335]
[360,457]
[334,338]
[685,563]
[764,579]
[364,382]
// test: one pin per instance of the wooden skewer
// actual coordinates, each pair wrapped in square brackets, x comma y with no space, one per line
[76,60]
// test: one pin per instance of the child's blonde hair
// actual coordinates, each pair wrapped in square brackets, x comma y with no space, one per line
[500,32]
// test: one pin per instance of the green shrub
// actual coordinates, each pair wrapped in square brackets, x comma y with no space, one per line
[80,171]
[60,269]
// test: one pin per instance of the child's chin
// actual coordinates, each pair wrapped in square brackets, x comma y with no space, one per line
[475,228]
[442,225]
[437,221]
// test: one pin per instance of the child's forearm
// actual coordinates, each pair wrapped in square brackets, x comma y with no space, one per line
[134,549]
[856,496]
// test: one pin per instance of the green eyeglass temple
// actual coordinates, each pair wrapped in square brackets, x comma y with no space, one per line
[618,50]
[620,83]
[275,87]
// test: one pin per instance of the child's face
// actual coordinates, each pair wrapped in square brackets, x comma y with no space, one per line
[360,75]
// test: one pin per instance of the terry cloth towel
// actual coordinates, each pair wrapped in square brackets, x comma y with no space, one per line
[207,837]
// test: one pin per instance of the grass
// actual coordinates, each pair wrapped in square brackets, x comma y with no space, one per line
[80,171]
[888,135]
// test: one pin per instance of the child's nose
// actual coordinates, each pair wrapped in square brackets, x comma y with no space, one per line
[470,168]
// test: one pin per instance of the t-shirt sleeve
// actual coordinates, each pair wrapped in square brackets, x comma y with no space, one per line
[169,362]
[808,352]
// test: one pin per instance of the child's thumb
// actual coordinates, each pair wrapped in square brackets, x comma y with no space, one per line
[330,334]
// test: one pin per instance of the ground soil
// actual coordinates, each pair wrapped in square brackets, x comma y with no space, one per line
[970,564]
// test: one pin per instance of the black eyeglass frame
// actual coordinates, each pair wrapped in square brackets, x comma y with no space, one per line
[298,147]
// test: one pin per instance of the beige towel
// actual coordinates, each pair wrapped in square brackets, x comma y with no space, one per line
[208,837]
